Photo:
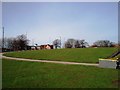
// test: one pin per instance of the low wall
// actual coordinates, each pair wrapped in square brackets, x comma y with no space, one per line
[107,63]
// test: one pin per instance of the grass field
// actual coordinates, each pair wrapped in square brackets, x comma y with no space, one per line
[118,56]
[87,55]
[21,74]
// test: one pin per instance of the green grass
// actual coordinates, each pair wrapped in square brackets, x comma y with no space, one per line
[87,55]
[116,57]
[21,74]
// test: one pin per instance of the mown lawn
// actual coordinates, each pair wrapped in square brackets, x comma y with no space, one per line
[21,74]
[87,55]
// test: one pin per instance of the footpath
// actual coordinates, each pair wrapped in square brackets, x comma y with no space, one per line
[49,61]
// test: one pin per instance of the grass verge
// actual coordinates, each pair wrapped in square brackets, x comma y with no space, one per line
[21,74]
[85,55]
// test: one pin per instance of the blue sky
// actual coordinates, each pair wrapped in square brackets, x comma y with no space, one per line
[44,22]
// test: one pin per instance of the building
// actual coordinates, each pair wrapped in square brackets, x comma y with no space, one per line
[46,46]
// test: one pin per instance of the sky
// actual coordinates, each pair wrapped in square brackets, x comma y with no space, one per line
[44,22]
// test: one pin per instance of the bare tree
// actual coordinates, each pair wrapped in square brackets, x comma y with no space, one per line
[15,45]
[103,43]
[10,43]
[57,43]
[77,44]
[70,43]
[22,42]
[18,43]
[83,43]
[7,44]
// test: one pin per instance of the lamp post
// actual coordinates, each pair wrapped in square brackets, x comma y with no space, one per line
[3,38]
[60,41]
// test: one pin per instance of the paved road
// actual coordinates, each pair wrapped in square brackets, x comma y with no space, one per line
[48,61]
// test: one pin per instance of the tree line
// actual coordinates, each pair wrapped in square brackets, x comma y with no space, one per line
[22,43]
[73,43]
[16,43]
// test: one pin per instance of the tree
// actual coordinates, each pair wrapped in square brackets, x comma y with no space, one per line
[10,43]
[57,43]
[77,44]
[22,42]
[81,44]
[112,44]
[70,43]
[18,43]
[103,43]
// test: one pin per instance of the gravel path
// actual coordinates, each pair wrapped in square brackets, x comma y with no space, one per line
[48,61]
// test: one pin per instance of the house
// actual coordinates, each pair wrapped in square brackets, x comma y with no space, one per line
[35,47]
[46,46]
[40,47]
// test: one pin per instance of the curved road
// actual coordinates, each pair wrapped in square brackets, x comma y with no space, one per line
[48,61]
